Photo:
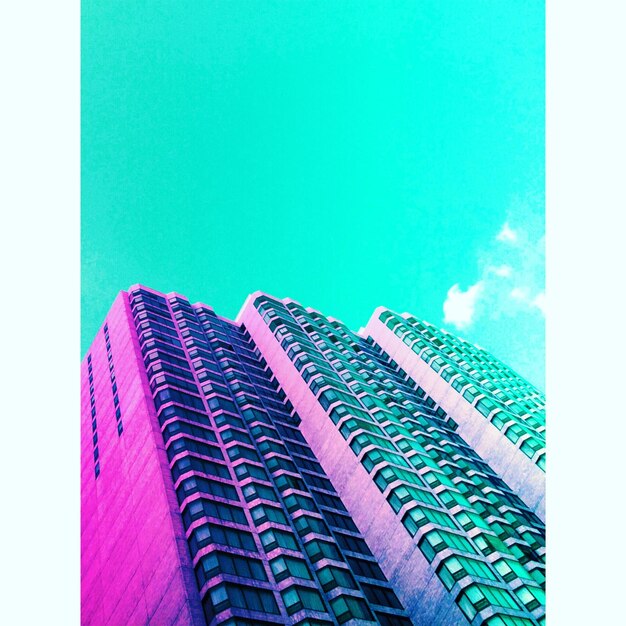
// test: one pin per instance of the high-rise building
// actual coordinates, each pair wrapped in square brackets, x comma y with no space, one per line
[499,414]
[281,469]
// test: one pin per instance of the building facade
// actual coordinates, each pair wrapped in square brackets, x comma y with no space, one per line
[499,414]
[280,469]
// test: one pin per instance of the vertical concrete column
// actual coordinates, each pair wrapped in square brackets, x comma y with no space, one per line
[135,559]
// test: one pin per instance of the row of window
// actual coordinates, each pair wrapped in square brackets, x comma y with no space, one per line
[208,535]
[286,566]
[293,341]
[508,412]
[244,459]
[94,423]
[116,399]
[332,576]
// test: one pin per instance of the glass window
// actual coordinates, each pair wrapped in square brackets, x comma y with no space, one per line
[437,540]
[317,550]
[285,566]
[510,569]
[264,513]
[273,538]
[298,598]
[478,597]
[347,607]
[531,597]
[332,577]
[456,567]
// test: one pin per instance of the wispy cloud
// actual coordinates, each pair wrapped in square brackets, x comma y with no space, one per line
[540,302]
[519,293]
[507,234]
[459,307]
[503,271]
[510,277]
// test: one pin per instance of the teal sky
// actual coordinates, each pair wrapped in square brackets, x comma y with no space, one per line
[345,154]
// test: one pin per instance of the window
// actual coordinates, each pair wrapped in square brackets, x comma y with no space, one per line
[367,569]
[488,544]
[531,597]
[191,463]
[264,513]
[195,484]
[374,457]
[437,540]
[388,475]
[246,470]
[456,567]
[510,569]
[175,446]
[213,533]
[392,620]
[209,508]
[242,452]
[381,595]
[286,566]
[254,491]
[242,597]
[353,544]
[305,525]
[274,538]
[317,550]
[421,515]
[331,577]
[508,620]
[347,607]
[298,598]
[296,501]
[220,562]
[181,426]
[340,521]
[285,481]
[328,500]
[476,598]
[470,520]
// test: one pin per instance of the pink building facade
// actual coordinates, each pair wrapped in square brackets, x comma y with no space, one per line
[135,563]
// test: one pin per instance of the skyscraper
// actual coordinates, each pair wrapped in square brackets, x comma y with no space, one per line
[280,469]
[499,414]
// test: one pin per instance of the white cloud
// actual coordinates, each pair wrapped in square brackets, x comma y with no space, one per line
[507,234]
[504,271]
[459,307]
[540,302]
[510,275]
[519,293]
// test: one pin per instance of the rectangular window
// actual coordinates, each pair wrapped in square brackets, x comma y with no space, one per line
[298,598]
[287,566]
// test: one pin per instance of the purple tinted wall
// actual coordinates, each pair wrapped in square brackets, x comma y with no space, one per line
[135,564]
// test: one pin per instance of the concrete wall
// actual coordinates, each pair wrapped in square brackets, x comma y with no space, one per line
[135,563]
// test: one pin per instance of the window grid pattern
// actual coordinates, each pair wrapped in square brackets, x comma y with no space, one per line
[263,522]
[447,497]
[94,421]
[231,577]
[116,398]
[300,485]
[504,398]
